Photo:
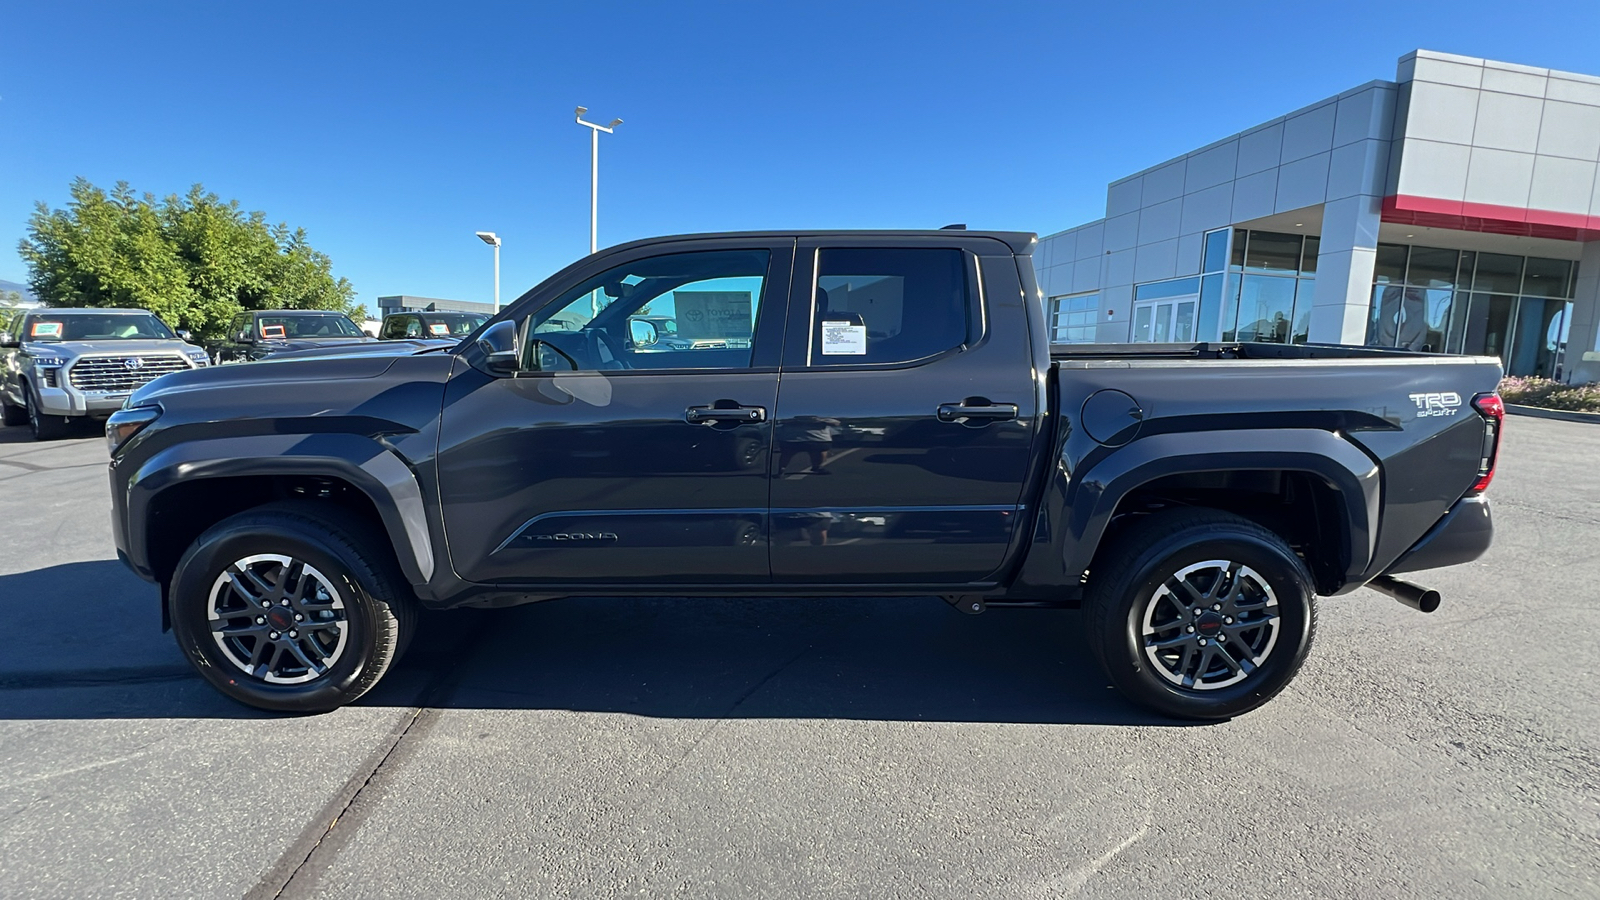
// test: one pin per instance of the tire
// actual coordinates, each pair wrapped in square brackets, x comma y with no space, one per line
[1161,614]
[346,618]
[13,415]
[44,427]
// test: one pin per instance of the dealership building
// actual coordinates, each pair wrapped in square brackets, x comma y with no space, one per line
[1455,209]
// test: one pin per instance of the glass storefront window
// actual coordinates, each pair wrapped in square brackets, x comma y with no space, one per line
[1266,304]
[1303,293]
[1464,275]
[1390,267]
[1547,278]
[1177,287]
[1308,263]
[1431,267]
[1410,318]
[1240,238]
[1210,304]
[1498,273]
[1271,252]
[1215,258]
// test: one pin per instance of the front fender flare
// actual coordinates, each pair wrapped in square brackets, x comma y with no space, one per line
[364,463]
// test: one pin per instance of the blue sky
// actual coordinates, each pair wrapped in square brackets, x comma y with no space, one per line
[393,132]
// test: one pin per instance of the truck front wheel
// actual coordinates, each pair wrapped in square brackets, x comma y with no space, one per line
[290,607]
[1200,614]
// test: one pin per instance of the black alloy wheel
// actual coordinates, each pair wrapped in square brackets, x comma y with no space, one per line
[1200,614]
[294,607]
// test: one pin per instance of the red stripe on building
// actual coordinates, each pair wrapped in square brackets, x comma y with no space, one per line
[1457,215]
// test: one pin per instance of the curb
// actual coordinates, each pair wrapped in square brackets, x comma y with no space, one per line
[1562,414]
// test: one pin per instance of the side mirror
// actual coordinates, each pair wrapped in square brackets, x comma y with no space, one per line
[499,346]
[185,335]
[8,340]
[245,338]
[644,333]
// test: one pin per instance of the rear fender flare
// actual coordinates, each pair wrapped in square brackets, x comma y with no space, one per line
[1356,477]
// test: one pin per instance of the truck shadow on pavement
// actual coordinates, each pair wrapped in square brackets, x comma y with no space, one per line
[84,641]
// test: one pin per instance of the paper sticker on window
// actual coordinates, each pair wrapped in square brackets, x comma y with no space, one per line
[844,339]
[272,332]
[439,328]
[46,330]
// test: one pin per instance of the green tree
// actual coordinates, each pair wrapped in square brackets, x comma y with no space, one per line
[9,299]
[194,260]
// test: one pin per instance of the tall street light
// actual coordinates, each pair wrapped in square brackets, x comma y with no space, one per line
[594,172]
[493,240]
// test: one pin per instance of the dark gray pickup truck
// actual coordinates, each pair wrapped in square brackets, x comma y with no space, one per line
[863,414]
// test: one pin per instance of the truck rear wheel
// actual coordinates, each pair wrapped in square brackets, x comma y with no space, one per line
[1200,614]
[13,415]
[290,607]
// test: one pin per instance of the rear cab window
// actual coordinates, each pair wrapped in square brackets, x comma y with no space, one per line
[889,306]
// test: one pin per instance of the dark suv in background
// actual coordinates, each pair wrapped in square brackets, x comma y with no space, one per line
[264,333]
[416,326]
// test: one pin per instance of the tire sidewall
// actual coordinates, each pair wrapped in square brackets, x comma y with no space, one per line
[190,595]
[1278,567]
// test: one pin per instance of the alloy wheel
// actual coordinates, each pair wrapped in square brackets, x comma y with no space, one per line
[1210,625]
[278,619]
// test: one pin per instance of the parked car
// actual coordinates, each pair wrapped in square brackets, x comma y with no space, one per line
[263,333]
[452,326]
[1195,499]
[62,364]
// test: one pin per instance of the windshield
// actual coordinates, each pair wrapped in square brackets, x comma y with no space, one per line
[312,326]
[453,325]
[109,327]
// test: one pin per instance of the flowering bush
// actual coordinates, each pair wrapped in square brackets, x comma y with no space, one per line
[1549,394]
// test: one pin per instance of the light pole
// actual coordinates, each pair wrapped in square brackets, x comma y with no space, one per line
[493,240]
[594,173]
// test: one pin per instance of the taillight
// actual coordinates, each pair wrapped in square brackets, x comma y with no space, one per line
[1494,419]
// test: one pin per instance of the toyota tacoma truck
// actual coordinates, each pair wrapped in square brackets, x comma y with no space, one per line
[885,416]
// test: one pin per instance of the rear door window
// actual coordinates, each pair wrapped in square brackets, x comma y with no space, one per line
[888,306]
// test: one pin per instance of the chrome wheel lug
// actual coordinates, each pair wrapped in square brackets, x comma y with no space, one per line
[273,635]
[300,618]
[1202,642]
[286,603]
[294,634]
[1227,620]
[1190,629]
[1217,607]
[261,620]
[1222,639]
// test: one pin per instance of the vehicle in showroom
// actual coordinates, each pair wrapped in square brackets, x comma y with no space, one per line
[263,333]
[57,365]
[914,434]
[427,325]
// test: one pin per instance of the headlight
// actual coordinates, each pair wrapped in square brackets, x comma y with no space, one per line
[198,357]
[49,362]
[125,423]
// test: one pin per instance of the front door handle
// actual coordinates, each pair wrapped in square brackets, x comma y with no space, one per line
[706,415]
[998,412]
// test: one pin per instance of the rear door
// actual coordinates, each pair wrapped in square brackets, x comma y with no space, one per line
[906,414]
[616,456]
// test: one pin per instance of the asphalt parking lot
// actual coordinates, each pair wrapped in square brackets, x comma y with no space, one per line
[708,748]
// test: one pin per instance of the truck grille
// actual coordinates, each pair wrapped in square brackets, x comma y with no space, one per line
[121,374]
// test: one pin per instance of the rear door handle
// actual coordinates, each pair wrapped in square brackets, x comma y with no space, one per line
[705,415]
[955,412]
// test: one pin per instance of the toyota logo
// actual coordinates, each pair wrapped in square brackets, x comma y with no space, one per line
[133,363]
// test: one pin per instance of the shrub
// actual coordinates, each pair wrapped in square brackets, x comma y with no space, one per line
[1543,392]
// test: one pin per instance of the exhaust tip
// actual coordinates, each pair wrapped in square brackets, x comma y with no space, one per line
[1415,596]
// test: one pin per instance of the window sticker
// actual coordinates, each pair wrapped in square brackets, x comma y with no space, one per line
[46,330]
[844,339]
[439,328]
[273,332]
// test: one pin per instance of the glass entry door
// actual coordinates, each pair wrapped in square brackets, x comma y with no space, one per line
[1161,321]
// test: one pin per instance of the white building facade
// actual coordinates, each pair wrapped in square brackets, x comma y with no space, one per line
[1455,209]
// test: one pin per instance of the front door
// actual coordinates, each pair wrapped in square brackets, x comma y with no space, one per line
[905,417]
[1168,320]
[633,446]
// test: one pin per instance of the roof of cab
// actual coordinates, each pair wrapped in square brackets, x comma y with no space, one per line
[1021,243]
